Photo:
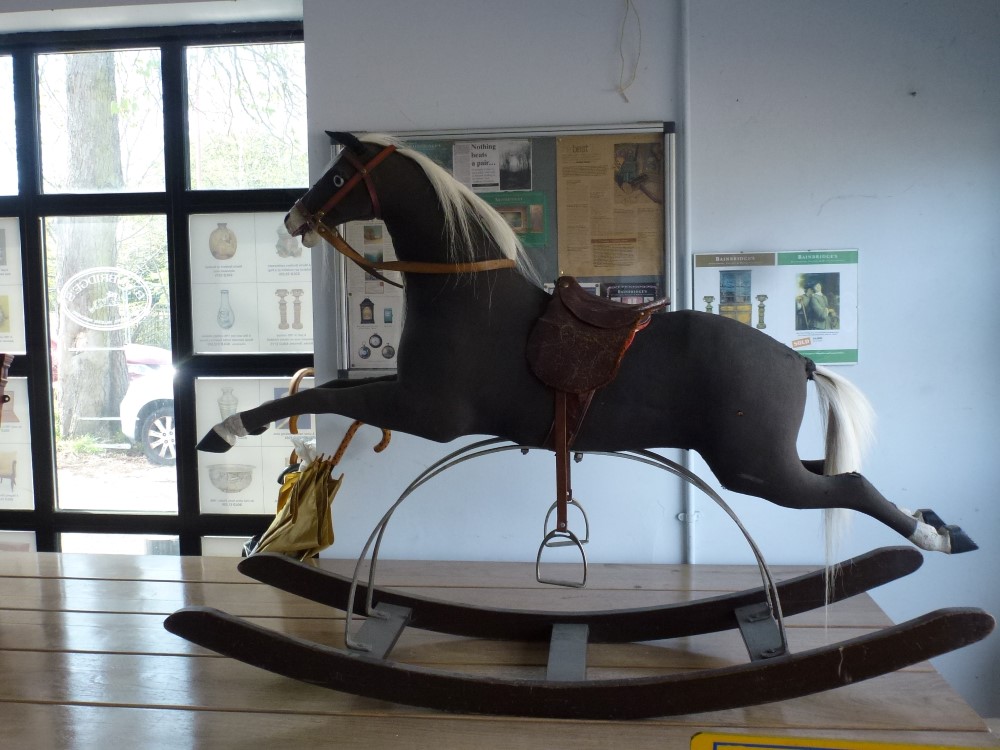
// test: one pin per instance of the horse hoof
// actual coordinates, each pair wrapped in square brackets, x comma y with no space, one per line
[213,442]
[959,540]
[929,517]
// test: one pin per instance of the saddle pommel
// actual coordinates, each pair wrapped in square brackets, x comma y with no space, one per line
[601,311]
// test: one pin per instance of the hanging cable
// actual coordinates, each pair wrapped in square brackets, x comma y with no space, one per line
[622,83]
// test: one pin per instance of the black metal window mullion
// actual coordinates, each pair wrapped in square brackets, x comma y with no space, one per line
[175,156]
[36,365]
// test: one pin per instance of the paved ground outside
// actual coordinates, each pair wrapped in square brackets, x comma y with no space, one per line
[115,481]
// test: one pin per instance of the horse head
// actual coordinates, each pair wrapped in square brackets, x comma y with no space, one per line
[344,193]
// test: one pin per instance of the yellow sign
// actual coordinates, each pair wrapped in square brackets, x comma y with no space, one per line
[711,741]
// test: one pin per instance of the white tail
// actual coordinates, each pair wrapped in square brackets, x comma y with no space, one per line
[849,421]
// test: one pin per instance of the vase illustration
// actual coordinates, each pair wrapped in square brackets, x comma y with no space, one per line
[225,317]
[222,242]
[287,246]
[227,402]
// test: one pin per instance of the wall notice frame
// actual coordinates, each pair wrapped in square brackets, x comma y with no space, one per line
[596,203]
[807,299]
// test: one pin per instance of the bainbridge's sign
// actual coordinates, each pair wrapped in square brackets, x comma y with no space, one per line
[105,298]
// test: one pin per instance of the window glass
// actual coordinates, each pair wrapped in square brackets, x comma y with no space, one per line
[16,491]
[222,546]
[247,116]
[245,479]
[101,117]
[8,142]
[251,285]
[112,375]
[119,544]
[12,339]
[17,541]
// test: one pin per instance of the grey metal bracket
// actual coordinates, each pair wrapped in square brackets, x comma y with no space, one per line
[762,634]
[568,653]
[378,635]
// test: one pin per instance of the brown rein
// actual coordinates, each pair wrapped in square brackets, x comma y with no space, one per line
[331,235]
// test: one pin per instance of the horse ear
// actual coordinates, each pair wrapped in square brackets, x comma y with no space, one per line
[348,140]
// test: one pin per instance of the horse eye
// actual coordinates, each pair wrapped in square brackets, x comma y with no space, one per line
[338,181]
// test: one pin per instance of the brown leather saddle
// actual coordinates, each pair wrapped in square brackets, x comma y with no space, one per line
[576,347]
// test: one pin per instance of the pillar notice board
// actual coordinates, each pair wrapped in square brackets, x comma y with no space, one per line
[596,203]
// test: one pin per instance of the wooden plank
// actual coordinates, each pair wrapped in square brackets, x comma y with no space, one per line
[903,700]
[429,573]
[32,725]
[100,632]
[119,567]
[258,600]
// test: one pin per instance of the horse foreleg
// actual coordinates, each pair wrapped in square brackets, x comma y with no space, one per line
[318,400]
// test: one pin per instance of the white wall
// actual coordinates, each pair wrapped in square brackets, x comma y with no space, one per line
[877,126]
[803,124]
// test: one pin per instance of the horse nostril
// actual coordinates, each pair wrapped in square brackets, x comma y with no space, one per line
[294,228]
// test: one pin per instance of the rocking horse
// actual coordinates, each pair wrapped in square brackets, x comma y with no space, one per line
[486,351]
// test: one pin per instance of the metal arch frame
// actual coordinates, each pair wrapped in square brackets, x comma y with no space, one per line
[498,445]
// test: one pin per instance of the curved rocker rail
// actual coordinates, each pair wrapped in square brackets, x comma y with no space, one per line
[800,594]
[779,678]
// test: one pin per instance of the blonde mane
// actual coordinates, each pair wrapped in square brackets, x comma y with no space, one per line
[463,210]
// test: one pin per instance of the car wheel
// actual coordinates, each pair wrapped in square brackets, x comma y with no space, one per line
[157,436]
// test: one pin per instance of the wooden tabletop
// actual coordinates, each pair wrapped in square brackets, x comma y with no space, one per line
[86,663]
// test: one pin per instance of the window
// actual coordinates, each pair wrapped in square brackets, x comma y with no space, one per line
[8,155]
[145,275]
[101,118]
[246,115]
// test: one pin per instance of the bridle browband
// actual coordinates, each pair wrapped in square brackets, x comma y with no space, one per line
[315,222]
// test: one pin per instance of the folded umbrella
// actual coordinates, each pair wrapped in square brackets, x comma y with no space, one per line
[303,525]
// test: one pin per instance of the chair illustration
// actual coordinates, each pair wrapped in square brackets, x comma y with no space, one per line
[8,468]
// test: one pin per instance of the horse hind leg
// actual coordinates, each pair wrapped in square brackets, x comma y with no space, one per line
[923,528]
[802,485]
[930,531]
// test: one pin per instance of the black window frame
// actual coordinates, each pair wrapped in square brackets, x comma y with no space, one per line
[177,203]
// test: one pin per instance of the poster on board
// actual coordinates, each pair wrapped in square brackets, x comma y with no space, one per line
[374,308]
[251,285]
[610,205]
[807,299]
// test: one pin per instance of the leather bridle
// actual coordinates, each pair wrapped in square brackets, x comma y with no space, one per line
[315,223]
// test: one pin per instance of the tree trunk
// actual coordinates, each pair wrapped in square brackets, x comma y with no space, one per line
[92,369]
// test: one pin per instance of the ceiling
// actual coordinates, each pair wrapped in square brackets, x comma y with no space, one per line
[15,16]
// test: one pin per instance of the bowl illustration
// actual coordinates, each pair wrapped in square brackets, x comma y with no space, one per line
[230,477]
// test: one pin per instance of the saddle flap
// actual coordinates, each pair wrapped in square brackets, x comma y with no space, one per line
[578,343]
[601,312]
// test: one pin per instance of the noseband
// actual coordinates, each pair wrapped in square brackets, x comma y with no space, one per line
[315,222]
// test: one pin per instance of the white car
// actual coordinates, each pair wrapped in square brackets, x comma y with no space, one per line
[147,415]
